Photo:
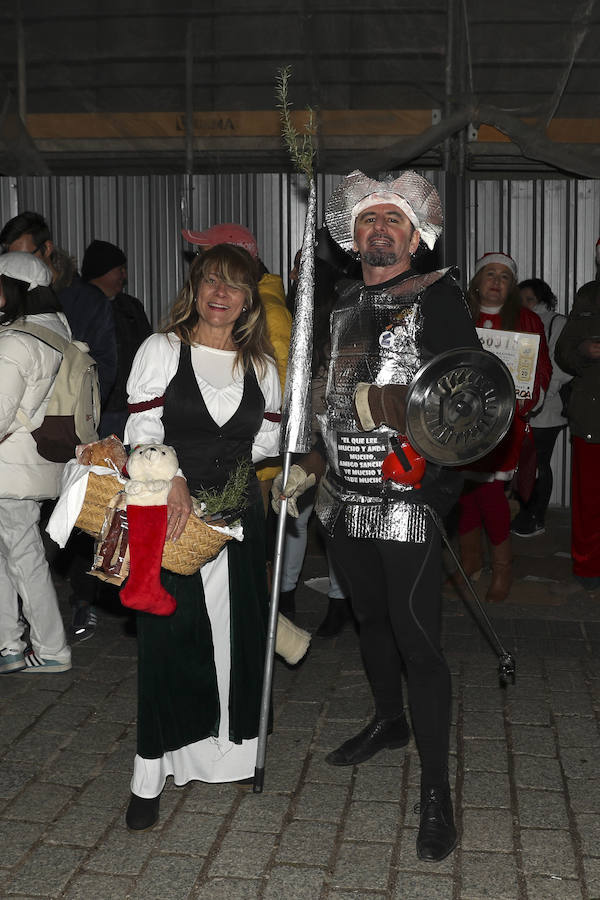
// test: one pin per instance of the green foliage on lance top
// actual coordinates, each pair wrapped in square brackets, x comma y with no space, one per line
[300,146]
[233,497]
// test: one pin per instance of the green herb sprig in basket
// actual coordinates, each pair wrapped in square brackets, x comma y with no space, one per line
[228,503]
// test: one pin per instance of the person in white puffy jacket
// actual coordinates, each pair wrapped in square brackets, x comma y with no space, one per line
[28,368]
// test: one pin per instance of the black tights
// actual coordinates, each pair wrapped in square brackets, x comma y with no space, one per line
[396,597]
[544,440]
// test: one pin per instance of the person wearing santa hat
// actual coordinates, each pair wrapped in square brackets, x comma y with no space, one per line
[495,303]
[578,352]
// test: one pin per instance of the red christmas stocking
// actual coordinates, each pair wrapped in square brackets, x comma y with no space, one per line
[147,531]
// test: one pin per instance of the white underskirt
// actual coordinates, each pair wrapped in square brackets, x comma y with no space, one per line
[214,759]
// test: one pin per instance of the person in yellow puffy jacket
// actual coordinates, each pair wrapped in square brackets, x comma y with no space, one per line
[279,318]
[279,326]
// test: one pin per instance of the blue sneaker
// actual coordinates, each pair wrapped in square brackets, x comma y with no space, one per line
[35,663]
[11,660]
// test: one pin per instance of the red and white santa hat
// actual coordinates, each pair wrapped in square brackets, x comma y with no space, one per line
[497,257]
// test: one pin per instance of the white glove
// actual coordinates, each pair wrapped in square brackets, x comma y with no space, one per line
[298,482]
[291,642]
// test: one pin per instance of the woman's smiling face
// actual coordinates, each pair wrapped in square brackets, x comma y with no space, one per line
[219,304]
[495,283]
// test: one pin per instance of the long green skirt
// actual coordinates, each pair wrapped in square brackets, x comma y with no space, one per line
[178,702]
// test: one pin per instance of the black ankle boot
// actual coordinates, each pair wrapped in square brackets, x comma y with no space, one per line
[142,814]
[287,604]
[437,834]
[379,734]
[338,613]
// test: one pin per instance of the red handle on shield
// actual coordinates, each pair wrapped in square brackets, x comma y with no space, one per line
[403,465]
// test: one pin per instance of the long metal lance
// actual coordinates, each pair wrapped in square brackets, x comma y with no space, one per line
[295,438]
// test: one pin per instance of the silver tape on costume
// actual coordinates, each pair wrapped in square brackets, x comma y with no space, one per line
[421,195]
[296,418]
[375,338]
[366,517]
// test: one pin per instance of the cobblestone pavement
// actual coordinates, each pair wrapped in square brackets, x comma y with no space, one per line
[524,769]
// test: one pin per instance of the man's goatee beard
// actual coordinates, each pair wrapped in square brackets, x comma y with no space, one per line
[379,259]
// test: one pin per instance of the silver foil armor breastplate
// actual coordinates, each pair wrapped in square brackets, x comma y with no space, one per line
[375,338]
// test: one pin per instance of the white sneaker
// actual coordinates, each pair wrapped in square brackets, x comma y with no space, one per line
[35,663]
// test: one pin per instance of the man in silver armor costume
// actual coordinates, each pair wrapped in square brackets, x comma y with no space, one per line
[383,330]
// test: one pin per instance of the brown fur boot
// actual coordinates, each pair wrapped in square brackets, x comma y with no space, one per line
[471,557]
[501,572]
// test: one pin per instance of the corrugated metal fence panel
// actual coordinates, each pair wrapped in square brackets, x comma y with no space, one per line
[273,207]
[164,244]
[140,214]
[550,227]
[9,203]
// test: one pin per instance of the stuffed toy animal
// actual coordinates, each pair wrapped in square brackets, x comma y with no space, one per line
[151,468]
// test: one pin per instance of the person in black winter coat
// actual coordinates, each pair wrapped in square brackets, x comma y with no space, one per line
[104,270]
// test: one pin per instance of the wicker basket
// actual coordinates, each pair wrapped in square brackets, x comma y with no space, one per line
[197,545]
[99,492]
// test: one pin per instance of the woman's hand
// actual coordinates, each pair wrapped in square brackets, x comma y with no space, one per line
[179,507]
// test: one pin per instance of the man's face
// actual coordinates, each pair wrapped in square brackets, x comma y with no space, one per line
[27,244]
[112,281]
[384,236]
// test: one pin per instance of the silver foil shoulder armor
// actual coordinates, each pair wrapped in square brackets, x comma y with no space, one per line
[375,338]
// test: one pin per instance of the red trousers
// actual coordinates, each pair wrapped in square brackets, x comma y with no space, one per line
[485,504]
[585,508]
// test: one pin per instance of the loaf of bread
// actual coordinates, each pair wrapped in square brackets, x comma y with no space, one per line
[108,452]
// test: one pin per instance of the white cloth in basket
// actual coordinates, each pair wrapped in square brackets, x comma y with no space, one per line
[72,494]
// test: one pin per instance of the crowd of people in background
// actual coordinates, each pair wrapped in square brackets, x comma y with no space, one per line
[210,384]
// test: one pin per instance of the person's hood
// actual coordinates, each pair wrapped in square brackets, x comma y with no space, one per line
[65,267]
[271,290]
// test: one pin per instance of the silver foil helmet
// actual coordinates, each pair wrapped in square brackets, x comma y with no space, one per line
[419,193]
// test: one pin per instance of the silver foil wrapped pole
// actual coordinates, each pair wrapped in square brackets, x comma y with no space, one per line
[296,417]
[295,438]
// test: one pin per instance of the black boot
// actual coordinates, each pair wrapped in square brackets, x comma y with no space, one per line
[437,834]
[287,604]
[338,613]
[379,734]
[142,814]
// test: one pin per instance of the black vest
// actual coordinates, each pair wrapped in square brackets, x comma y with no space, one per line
[208,452]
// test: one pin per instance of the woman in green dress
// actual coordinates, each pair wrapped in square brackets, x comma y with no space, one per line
[207,386]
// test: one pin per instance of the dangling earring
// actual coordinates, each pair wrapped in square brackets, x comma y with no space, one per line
[244,309]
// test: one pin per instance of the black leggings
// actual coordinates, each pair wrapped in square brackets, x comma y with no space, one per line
[544,440]
[396,597]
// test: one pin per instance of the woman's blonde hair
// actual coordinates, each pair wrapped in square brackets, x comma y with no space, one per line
[236,268]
